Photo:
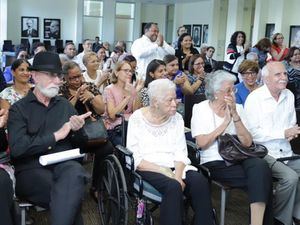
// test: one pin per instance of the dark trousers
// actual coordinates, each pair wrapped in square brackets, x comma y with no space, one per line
[6,198]
[171,208]
[60,187]
[252,175]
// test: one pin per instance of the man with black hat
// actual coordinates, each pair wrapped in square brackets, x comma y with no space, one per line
[43,123]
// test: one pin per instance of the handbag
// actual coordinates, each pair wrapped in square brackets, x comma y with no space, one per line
[233,152]
[94,131]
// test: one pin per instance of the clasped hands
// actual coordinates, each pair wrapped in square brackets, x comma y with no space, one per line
[83,94]
[169,173]
[292,132]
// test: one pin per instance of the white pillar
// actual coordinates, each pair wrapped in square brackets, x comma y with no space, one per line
[3,22]
[108,28]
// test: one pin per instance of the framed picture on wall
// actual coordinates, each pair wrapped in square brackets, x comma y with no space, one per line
[52,28]
[29,26]
[270,29]
[294,36]
[205,33]
[188,29]
[196,35]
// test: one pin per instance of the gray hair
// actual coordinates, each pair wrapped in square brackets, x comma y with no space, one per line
[158,88]
[266,69]
[252,56]
[214,82]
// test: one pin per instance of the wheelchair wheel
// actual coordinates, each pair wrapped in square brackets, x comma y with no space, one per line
[112,189]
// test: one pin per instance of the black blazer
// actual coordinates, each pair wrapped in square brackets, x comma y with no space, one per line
[34,33]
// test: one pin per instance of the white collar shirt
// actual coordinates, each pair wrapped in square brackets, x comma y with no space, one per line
[144,50]
[268,119]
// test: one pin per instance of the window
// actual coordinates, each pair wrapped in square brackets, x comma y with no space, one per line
[92,18]
[124,23]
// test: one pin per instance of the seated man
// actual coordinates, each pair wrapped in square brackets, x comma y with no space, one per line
[43,123]
[272,122]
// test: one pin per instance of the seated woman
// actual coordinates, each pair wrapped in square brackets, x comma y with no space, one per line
[185,51]
[249,71]
[278,49]
[85,97]
[156,69]
[217,115]
[101,56]
[120,97]
[92,73]
[20,87]
[6,178]
[197,74]
[132,61]
[292,65]
[262,49]
[160,156]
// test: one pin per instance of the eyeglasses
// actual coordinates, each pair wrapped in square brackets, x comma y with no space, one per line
[198,64]
[250,73]
[53,75]
[75,78]
[126,70]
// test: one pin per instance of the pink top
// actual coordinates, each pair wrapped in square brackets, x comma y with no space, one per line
[115,95]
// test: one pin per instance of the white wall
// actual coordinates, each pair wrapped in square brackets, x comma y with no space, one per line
[65,10]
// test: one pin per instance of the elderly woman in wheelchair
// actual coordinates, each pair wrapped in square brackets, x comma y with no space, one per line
[156,138]
[215,116]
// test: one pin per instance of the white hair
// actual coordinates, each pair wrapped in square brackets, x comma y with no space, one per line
[252,56]
[157,89]
[214,82]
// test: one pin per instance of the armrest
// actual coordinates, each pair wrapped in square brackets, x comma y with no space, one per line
[193,153]
[124,150]
[126,157]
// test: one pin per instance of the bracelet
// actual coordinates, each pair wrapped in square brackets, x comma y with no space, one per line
[239,119]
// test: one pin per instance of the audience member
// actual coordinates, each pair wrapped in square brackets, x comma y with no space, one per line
[70,51]
[92,73]
[2,82]
[120,97]
[180,31]
[150,46]
[101,57]
[160,156]
[86,97]
[210,63]
[197,74]
[43,123]
[262,49]
[203,49]
[96,44]
[272,122]
[106,45]
[248,70]
[7,180]
[21,86]
[156,69]
[278,49]
[220,114]
[236,52]
[36,48]
[87,47]
[111,62]
[185,51]
[292,65]
[132,61]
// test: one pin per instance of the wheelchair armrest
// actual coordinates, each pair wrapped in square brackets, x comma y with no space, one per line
[127,155]
[193,153]
[288,158]
[124,150]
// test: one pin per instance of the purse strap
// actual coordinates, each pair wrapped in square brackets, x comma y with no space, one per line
[88,109]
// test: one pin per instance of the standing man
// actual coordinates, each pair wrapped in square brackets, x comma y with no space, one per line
[87,47]
[150,46]
[210,63]
[272,122]
[42,123]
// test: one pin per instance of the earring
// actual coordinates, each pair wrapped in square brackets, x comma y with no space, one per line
[216,97]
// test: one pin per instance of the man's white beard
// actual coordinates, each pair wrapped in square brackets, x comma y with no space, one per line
[48,92]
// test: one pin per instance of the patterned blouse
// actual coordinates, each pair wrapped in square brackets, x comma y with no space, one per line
[10,95]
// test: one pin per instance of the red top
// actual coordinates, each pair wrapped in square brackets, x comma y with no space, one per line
[278,49]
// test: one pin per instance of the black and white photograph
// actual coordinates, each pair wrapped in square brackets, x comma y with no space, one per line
[205,34]
[196,35]
[52,29]
[188,29]
[270,30]
[29,26]
[294,36]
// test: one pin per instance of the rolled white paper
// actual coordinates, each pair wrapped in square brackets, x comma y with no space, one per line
[60,157]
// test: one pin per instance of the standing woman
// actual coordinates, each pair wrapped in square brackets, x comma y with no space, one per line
[236,52]
[120,97]
[185,51]
[278,50]
[92,73]
[21,84]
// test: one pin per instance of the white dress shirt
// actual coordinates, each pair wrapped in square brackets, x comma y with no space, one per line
[268,119]
[144,50]
[79,61]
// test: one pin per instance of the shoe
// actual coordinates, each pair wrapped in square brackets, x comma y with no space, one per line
[94,194]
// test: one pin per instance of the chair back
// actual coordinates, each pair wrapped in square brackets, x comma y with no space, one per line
[189,101]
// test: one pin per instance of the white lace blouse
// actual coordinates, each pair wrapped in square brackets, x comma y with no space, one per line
[160,144]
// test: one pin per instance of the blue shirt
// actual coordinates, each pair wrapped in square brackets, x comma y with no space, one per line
[241,94]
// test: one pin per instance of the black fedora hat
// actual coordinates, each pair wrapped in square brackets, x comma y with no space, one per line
[46,61]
